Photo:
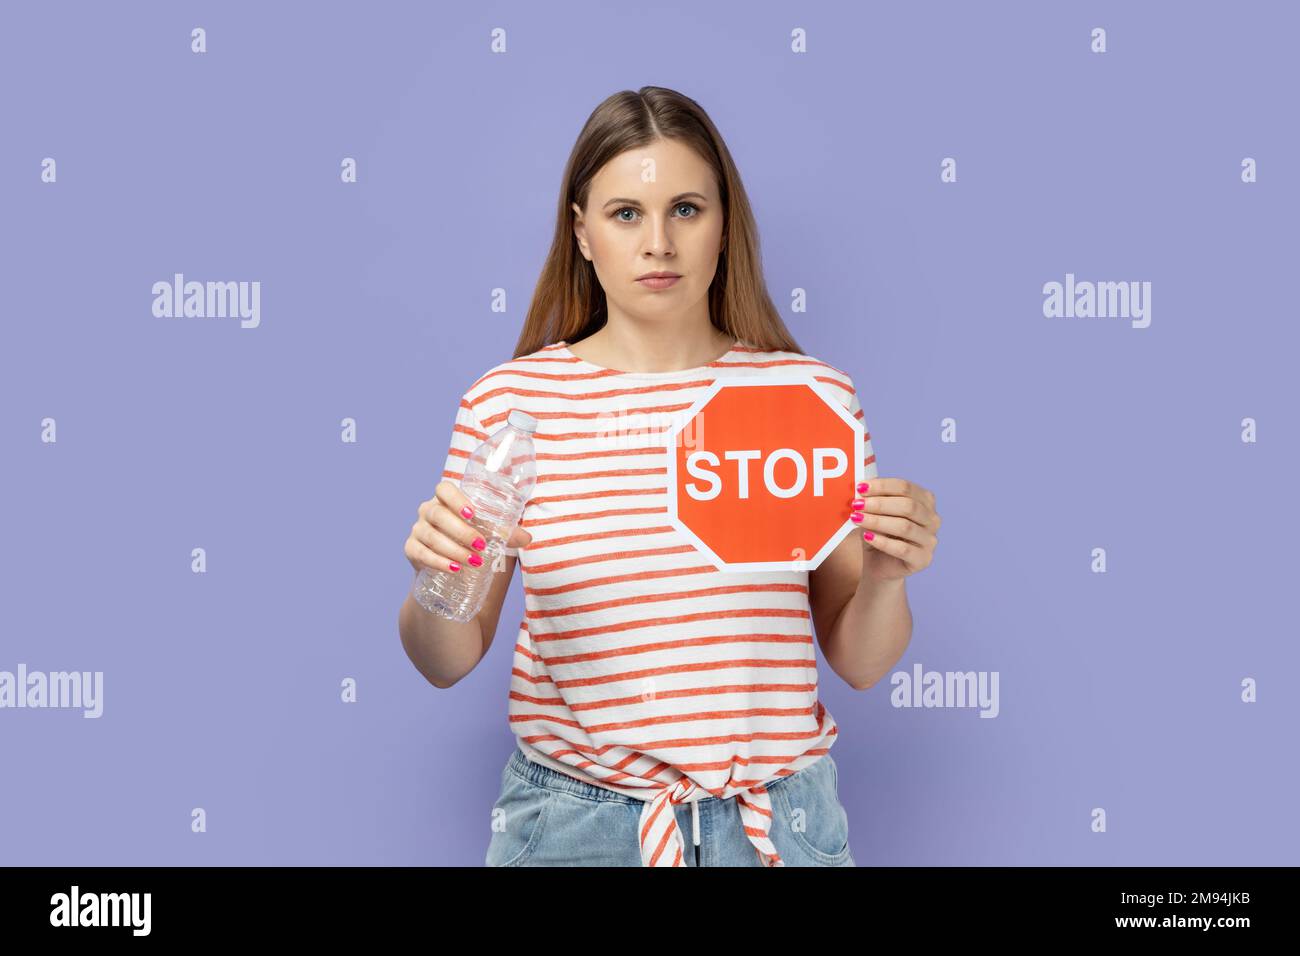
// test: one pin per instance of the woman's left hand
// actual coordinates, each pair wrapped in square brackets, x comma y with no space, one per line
[900,523]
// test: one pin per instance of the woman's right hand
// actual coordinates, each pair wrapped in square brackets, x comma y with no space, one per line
[442,538]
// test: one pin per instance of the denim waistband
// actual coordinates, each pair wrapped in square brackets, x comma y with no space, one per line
[544,776]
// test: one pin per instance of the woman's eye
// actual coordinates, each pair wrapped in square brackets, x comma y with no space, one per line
[618,214]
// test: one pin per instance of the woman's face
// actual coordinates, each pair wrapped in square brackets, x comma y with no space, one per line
[653,209]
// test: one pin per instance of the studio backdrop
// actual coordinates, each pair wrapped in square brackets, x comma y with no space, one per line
[1053,245]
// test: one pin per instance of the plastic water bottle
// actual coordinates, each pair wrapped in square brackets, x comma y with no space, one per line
[498,482]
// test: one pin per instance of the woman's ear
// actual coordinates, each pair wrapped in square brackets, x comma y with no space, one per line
[580,231]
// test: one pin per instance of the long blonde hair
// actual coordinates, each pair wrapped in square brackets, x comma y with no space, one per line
[569,304]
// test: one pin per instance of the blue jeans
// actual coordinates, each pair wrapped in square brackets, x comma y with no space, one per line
[548,818]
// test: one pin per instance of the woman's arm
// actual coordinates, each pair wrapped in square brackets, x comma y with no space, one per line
[444,651]
[863,626]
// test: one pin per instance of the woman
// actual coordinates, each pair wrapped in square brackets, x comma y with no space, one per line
[653,695]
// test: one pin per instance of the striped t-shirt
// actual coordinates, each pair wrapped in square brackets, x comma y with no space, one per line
[639,666]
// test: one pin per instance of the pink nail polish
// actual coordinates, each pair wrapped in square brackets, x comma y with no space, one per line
[856,516]
[475,560]
[868,535]
[454,566]
[862,487]
[467,512]
[858,503]
[478,544]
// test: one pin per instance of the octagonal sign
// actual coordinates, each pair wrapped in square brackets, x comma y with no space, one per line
[761,471]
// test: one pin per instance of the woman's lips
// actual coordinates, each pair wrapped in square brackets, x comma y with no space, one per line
[658,282]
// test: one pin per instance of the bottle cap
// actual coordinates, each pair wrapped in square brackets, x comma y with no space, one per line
[522,420]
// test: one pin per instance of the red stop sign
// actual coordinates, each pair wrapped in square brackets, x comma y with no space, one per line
[761,471]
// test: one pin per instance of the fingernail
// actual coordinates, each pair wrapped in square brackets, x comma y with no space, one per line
[475,560]
[467,512]
[868,535]
[857,503]
[478,544]
[862,487]
[856,516]
[454,566]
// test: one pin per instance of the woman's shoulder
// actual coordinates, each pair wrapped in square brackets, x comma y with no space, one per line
[549,359]
[492,390]
[778,360]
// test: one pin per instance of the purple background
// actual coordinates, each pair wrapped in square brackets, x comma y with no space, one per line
[221,690]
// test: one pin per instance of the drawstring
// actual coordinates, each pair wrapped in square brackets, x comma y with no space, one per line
[695,829]
[662,842]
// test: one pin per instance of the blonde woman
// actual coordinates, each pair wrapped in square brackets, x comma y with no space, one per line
[666,712]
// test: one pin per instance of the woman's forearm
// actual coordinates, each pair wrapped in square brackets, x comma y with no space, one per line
[443,651]
[871,632]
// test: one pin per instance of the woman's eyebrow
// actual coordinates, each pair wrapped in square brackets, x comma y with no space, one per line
[676,199]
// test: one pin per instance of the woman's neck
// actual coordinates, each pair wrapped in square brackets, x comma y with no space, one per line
[637,352]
